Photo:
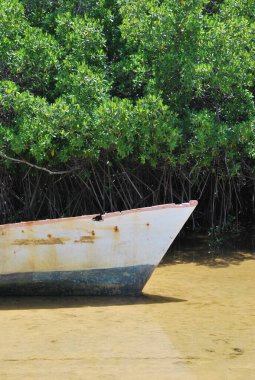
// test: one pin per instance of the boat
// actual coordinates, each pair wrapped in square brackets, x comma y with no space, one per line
[110,254]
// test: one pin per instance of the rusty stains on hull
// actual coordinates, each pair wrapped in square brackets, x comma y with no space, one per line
[49,241]
[85,239]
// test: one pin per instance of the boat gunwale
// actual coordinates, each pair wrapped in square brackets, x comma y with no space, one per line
[192,203]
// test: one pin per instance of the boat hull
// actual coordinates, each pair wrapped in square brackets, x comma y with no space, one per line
[127,281]
[110,255]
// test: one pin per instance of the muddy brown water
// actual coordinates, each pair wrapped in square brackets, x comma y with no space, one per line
[196,320]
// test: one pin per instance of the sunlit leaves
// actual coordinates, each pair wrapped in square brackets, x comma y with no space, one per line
[146,80]
[82,38]
[146,131]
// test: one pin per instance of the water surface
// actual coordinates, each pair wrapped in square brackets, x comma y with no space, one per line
[196,320]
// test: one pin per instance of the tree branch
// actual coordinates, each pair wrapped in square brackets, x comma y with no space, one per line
[51,172]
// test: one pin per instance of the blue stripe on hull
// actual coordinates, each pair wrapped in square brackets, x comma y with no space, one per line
[96,282]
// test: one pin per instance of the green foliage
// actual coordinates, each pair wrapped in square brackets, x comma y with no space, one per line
[36,61]
[12,25]
[144,80]
[82,38]
[44,131]
[212,140]
[145,131]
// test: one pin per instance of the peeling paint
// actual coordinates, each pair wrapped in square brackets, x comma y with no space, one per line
[77,244]
[49,241]
[85,239]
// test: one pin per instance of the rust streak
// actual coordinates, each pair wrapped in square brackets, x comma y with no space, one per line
[38,241]
[85,239]
[116,229]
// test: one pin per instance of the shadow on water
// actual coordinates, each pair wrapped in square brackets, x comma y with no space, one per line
[26,303]
[201,250]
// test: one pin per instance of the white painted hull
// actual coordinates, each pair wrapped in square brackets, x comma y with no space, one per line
[126,242]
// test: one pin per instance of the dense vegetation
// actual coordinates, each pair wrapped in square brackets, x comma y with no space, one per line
[129,103]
